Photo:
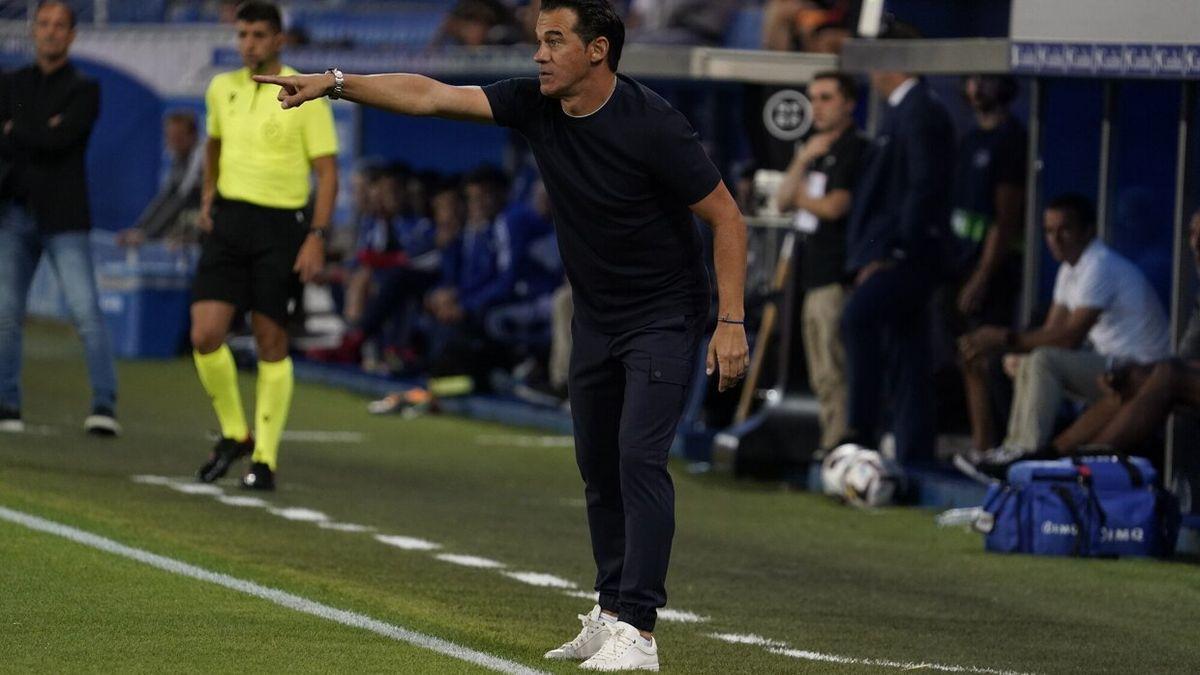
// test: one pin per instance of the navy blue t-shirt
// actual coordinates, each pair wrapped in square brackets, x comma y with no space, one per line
[620,182]
[987,158]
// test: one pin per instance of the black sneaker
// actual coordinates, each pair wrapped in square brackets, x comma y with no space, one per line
[10,421]
[259,477]
[102,422]
[226,452]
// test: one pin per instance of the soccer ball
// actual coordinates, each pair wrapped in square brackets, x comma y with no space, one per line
[870,479]
[833,468]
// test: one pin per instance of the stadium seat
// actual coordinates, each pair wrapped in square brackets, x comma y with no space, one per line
[745,30]
[400,28]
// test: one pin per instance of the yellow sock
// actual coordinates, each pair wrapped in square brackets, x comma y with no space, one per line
[218,374]
[271,409]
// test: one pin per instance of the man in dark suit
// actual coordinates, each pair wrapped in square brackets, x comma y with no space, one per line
[47,111]
[897,229]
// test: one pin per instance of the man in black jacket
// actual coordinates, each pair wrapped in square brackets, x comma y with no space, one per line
[898,229]
[47,111]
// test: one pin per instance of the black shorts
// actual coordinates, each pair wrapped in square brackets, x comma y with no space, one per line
[248,257]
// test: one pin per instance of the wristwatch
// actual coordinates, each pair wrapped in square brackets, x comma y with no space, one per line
[339,83]
[321,233]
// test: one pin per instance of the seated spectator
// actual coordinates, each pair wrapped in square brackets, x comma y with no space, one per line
[477,23]
[805,25]
[1099,297]
[400,289]
[171,215]
[525,324]
[828,38]
[477,276]
[679,22]
[1138,398]
[380,246]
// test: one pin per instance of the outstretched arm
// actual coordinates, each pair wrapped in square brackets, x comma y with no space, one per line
[395,92]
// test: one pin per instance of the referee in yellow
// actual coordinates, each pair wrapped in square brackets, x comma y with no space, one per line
[259,241]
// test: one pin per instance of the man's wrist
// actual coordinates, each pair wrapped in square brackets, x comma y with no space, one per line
[1012,339]
[335,83]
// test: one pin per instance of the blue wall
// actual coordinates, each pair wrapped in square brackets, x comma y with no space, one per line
[432,144]
[123,158]
[1143,196]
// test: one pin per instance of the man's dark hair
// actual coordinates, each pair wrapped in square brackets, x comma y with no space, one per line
[57,3]
[446,183]
[488,175]
[1077,208]
[183,116]
[847,85]
[1003,87]
[595,18]
[253,10]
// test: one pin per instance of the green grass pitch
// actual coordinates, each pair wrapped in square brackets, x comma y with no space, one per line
[885,586]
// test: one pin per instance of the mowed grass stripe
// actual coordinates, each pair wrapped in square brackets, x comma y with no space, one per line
[273,595]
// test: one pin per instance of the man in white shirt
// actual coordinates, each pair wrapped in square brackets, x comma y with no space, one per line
[1100,298]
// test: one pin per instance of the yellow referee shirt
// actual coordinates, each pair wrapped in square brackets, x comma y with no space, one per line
[266,152]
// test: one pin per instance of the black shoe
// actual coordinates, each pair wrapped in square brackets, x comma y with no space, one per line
[259,477]
[102,422]
[226,452]
[10,421]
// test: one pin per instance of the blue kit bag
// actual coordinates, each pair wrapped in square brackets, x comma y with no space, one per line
[1101,506]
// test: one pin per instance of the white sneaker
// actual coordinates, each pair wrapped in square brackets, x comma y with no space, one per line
[626,649]
[10,421]
[587,643]
[102,422]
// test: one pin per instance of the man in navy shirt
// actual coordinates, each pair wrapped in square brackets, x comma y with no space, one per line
[625,174]
[897,233]
[989,196]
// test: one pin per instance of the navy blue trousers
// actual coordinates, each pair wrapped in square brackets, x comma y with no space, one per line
[886,327]
[627,394]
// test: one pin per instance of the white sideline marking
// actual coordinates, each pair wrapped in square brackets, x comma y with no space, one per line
[248,502]
[282,598]
[676,615]
[152,480]
[756,640]
[407,543]
[197,489]
[680,616]
[302,515]
[527,441]
[539,579]
[345,527]
[324,436]
[470,561]
[782,649]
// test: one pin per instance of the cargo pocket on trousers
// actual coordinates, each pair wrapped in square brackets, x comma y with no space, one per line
[671,370]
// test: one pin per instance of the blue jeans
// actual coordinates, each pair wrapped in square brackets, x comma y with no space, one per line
[70,256]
